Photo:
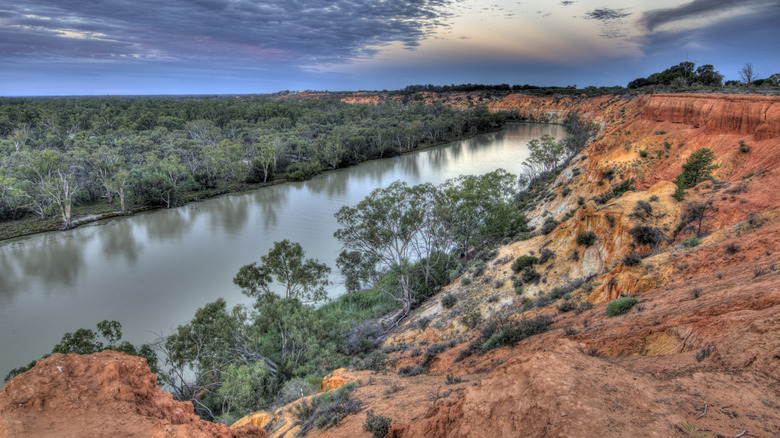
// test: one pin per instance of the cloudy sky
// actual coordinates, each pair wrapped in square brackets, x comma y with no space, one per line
[74,47]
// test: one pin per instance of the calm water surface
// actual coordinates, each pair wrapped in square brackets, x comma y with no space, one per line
[152,271]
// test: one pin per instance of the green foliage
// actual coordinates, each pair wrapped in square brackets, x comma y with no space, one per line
[448,301]
[358,306]
[410,370]
[155,152]
[502,332]
[302,279]
[523,262]
[294,389]
[549,225]
[679,193]
[620,306]
[529,275]
[697,168]
[380,235]
[465,281]
[743,147]
[478,210]
[691,242]
[682,75]
[248,387]
[643,153]
[378,425]
[517,285]
[586,238]
[623,187]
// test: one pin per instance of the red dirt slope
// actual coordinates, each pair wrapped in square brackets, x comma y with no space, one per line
[107,394]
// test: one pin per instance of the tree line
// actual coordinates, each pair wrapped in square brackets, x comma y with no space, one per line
[59,153]
[687,75]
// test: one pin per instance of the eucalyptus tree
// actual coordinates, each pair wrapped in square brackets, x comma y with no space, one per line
[386,233]
[479,211]
[302,279]
[47,178]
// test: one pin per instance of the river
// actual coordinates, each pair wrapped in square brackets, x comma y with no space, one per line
[151,271]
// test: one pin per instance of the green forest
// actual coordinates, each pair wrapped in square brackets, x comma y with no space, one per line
[60,157]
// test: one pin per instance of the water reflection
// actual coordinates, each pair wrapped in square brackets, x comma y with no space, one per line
[121,242]
[54,262]
[171,225]
[269,202]
[228,214]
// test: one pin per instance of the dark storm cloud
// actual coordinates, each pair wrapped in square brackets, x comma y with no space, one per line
[611,21]
[696,9]
[287,31]
[606,14]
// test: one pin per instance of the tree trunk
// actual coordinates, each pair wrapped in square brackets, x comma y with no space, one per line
[122,199]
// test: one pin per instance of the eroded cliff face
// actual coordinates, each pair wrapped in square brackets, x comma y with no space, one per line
[101,394]
[705,334]
[755,116]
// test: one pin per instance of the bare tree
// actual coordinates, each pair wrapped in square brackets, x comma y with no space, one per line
[747,74]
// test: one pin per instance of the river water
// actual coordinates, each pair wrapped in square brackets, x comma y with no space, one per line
[151,271]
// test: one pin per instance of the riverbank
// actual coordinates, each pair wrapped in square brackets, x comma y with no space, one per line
[89,213]
[86,214]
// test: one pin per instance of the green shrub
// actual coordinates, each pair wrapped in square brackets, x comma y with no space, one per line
[620,306]
[587,238]
[529,275]
[545,255]
[523,262]
[448,301]
[517,284]
[502,332]
[558,292]
[479,268]
[375,361]
[410,370]
[567,306]
[743,147]
[581,200]
[697,168]
[691,242]
[378,425]
[326,410]
[565,191]
[465,281]
[623,187]
[643,153]
[471,320]
[549,225]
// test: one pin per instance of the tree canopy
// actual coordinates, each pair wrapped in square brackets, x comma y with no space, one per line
[303,279]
